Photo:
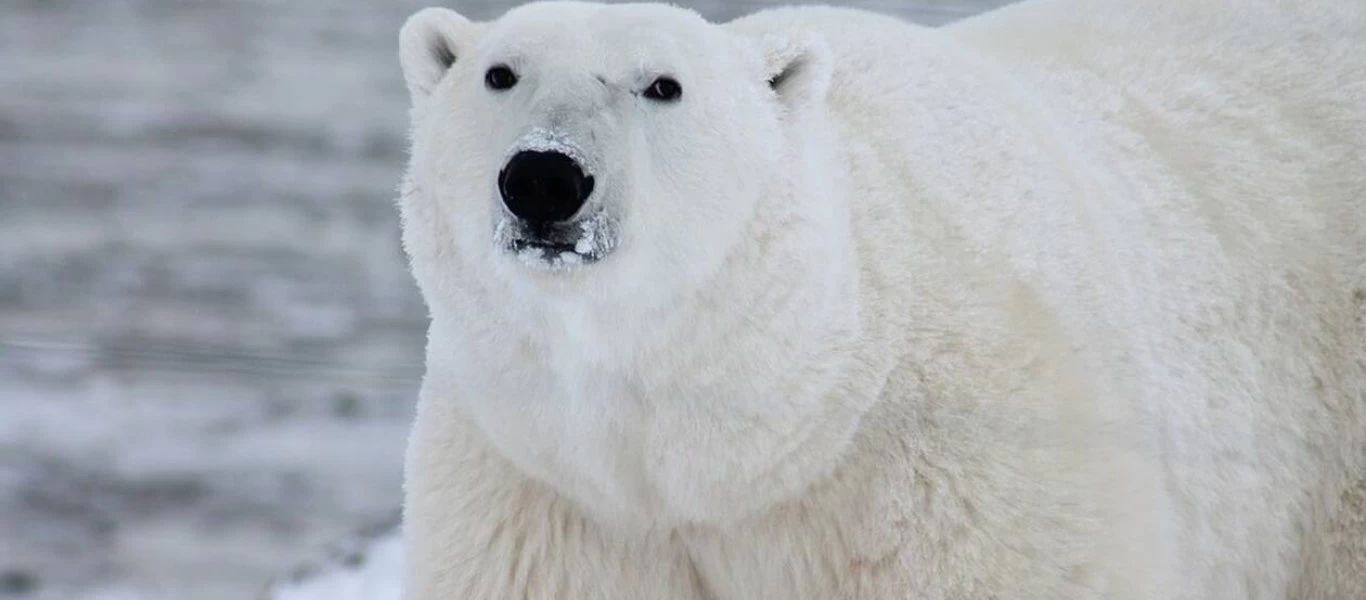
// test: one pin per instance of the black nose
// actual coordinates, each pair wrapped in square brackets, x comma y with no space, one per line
[544,187]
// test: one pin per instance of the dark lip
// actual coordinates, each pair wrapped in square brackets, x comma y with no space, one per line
[554,243]
[519,245]
[550,248]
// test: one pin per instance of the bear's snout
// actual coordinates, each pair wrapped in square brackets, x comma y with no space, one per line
[544,188]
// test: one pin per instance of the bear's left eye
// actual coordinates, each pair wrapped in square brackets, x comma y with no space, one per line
[664,89]
[500,77]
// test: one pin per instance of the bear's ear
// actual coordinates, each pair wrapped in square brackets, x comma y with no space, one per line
[430,43]
[798,68]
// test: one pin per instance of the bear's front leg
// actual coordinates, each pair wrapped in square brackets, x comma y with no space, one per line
[477,529]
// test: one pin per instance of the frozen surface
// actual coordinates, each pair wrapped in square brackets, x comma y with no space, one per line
[209,344]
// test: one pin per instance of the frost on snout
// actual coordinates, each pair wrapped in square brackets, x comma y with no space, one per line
[550,215]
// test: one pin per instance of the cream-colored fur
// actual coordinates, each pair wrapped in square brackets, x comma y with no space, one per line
[1067,300]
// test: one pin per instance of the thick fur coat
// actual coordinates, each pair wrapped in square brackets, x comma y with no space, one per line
[1067,300]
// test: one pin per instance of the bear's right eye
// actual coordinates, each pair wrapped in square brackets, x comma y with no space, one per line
[664,89]
[500,78]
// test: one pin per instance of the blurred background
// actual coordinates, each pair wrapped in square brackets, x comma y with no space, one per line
[209,342]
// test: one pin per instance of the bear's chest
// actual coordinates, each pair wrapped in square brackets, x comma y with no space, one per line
[581,429]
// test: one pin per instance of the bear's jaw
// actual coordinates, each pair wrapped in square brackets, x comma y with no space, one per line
[557,247]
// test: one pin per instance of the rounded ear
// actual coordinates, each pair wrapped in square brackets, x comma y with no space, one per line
[430,43]
[797,66]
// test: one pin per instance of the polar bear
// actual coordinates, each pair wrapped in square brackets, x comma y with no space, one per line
[1061,301]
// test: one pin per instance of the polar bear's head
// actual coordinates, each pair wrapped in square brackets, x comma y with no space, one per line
[597,148]
[610,203]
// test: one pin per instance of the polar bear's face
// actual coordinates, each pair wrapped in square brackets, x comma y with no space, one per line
[596,196]
[566,142]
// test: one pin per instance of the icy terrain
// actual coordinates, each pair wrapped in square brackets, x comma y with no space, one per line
[209,345]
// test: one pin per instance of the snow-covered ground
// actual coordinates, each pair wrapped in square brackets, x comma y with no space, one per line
[208,342]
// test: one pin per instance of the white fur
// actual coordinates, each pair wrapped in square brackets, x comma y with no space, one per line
[1064,301]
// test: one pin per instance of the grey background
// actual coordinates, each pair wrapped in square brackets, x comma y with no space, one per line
[209,343]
